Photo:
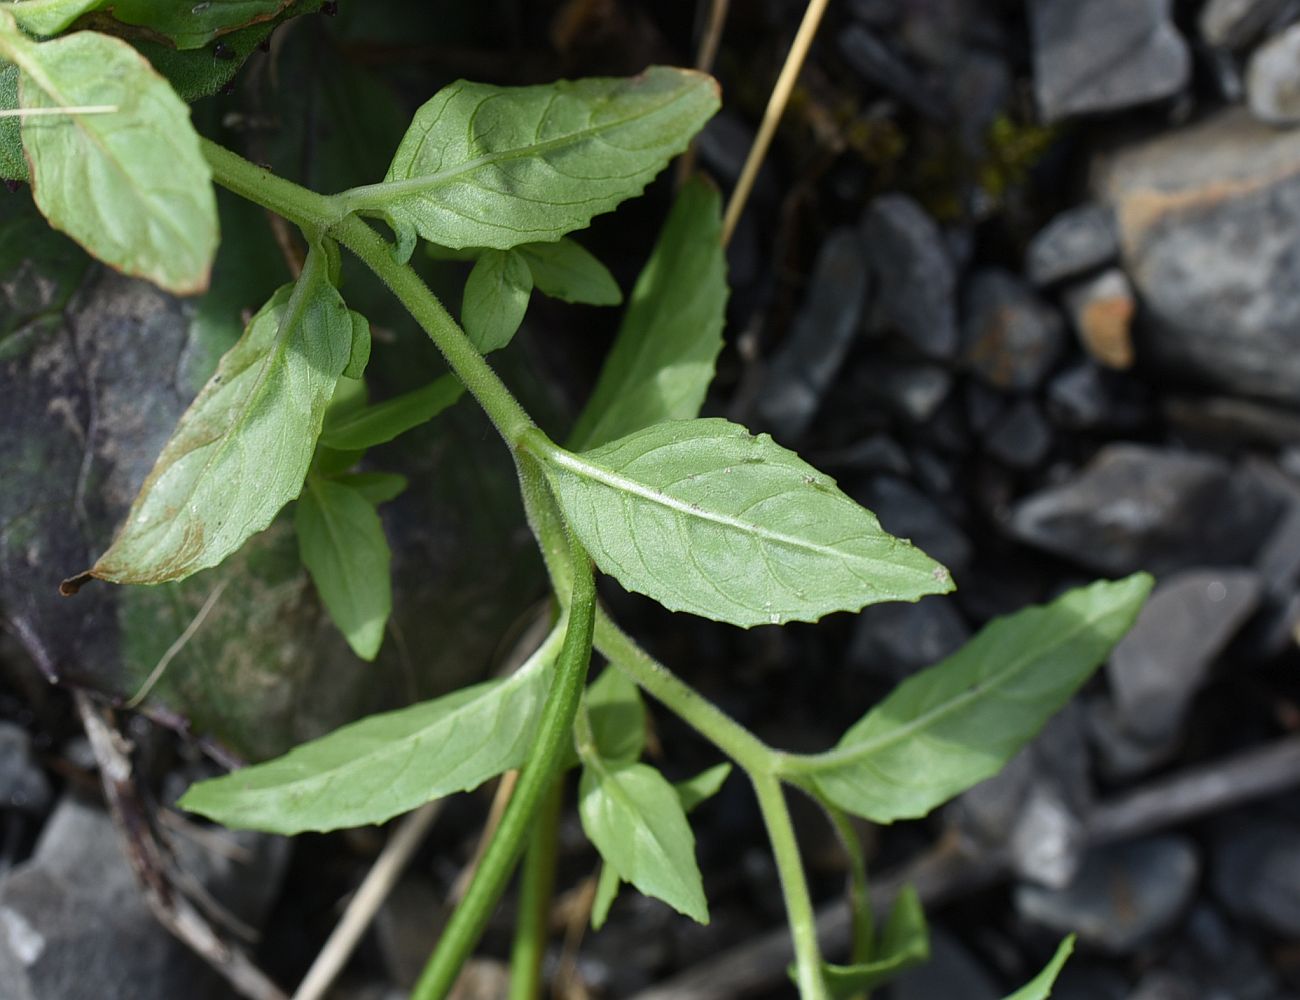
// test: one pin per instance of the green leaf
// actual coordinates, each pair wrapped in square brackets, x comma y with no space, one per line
[485,166]
[705,518]
[192,25]
[662,361]
[1040,987]
[617,715]
[49,17]
[384,421]
[13,165]
[342,544]
[959,721]
[131,186]
[359,356]
[904,944]
[691,792]
[198,73]
[242,449]
[565,270]
[496,298]
[377,487]
[636,821]
[387,764]
[702,787]
[607,886]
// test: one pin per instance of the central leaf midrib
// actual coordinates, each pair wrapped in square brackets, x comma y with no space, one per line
[612,480]
[376,196]
[842,757]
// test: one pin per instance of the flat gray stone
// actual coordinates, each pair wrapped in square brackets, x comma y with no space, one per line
[1075,242]
[1104,55]
[1158,667]
[1139,507]
[1273,79]
[1122,896]
[1011,338]
[820,337]
[1209,221]
[23,785]
[1256,871]
[912,273]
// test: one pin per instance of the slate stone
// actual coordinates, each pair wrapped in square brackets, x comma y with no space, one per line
[1209,219]
[1102,309]
[912,273]
[1073,243]
[1083,980]
[914,391]
[1011,338]
[1122,897]
[73,925]
[1231,421]
[1048,840]
[895,640]
[1256,871]
[1234,24]
[1165,985]
[1159,666]
[906,512]
[1104,55]
[1020,437]
[1087,397]
[1123,755]
[819,340]
[1273,79]
[872,57]
[1138,507]
[23,785]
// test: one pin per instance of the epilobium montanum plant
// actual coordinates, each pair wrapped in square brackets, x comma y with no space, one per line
[697,513]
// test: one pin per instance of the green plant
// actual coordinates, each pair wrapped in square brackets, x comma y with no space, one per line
[697,513]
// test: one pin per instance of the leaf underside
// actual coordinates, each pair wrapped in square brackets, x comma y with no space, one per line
[706,518]
[487,166]
[959,721]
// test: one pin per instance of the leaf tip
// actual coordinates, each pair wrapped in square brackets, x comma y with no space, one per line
[73,584]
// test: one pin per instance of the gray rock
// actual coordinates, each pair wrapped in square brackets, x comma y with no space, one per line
[1122,755]
[906,512]
[73,925]
[914,391]
[876,453]
[877,13]
[1279,556]
[1231,421]
[1234,24]
[983,405]
[23,785]
[1123,896]
[1209,220]
[879,64]
[1102,309]
[1165,985]
[952,973]
[1087,397]
[1273,79]
[1074,243]
[820,338]
[724,143]
[1021,437]
[1158,667]
[1256,871]
[1011,338]
[897,639]
[1137,507]
[1103,55]
[912,273]
[1048,841]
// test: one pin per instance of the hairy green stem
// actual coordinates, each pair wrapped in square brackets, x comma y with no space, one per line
[545,760]
[536,888]
[311,212]
[794,887]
